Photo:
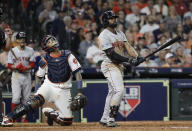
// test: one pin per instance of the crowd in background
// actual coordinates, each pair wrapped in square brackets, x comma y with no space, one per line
[76,24]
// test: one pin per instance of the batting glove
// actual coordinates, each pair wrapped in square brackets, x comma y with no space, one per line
[19,66]
[23,68]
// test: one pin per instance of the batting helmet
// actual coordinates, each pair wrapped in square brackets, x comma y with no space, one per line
[49,43]
[21,35]
[106,16]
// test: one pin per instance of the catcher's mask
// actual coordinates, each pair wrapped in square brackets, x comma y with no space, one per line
[50,43]
[106,16]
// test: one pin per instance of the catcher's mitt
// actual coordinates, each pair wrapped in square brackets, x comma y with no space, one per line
[78,102]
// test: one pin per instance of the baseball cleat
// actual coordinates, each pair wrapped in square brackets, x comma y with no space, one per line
[50,114]
[112,124]
[7,122]
[102,123]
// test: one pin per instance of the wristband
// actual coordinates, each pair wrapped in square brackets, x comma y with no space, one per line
[79,84]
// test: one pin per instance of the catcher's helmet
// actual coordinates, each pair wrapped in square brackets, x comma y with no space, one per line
[106,16]
[21,35]
[49,43]
[2,39]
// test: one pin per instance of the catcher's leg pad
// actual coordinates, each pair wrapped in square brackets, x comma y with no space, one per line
[64,121]
[30,105]
[113,111]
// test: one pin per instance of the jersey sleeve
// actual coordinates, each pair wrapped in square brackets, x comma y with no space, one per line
[42,63]
[124,37]
[32,57]
[73,63]
[104,42]
[41,71]
[10,58]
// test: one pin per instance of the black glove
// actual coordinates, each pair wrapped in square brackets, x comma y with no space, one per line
[136,62]
[140,60]
[126,64]
[78,102]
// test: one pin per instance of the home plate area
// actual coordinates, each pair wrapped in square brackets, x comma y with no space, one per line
[94,126]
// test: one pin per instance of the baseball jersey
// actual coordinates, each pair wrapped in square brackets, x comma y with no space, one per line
[74,66]
[95,53]
[107,39]
[23,56]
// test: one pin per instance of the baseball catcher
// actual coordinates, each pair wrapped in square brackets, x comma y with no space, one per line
[57,66]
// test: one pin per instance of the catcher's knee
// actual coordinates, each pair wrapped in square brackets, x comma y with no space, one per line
[65,121]
[36,101]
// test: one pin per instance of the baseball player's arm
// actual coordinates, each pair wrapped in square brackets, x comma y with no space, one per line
[40,74]
[115,56]
[12,65]
[79,81]
[76,71]
[31,62]
[107,47]
[130,50]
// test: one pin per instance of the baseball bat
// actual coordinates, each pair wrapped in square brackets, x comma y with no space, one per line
[166,44]
[13,54]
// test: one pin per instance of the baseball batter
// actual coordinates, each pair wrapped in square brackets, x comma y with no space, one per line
[58,67]
[21,60]
[114,43]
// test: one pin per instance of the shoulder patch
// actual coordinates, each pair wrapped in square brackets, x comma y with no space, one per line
[42,62]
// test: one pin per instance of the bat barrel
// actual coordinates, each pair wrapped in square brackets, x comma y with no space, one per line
[168,43]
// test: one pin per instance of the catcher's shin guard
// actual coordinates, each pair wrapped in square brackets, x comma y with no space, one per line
[64,121]
[30,105]
[114,111]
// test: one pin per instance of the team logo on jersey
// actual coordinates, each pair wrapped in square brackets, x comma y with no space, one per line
[131,100]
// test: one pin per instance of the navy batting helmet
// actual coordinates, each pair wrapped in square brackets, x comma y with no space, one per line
[106,16]
[49,43]
[21,35]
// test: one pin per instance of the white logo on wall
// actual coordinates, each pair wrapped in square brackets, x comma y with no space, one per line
[131,100]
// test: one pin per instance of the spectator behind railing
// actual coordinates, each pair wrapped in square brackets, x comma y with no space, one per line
[94,54]
[47,16]
[84,45]
[148,62]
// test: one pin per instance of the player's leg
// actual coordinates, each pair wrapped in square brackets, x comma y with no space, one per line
[23,109]
[105,115]
[62,101]
[16,90]
[26,92]
[115,78]
[37,100]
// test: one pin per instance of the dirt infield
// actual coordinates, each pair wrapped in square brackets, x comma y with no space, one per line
[93,126]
